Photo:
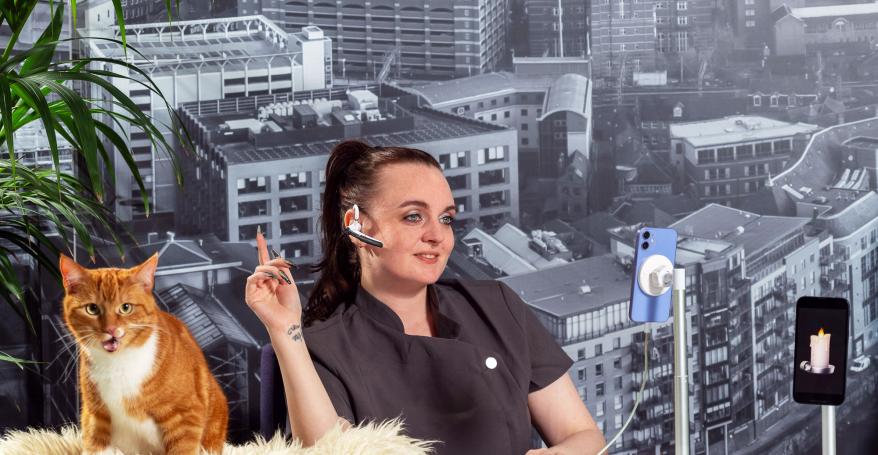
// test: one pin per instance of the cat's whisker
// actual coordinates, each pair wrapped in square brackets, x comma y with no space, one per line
[69,367]
[69,343]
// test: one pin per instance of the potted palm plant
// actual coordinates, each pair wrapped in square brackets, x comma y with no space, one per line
[39,87]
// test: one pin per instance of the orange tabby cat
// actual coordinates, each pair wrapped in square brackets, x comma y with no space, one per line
[145,385]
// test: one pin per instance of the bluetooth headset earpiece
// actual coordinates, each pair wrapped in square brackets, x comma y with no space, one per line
[354,230]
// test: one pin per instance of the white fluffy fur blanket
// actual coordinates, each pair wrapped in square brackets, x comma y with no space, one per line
[366,439]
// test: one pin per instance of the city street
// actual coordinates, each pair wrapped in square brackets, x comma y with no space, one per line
[803,422]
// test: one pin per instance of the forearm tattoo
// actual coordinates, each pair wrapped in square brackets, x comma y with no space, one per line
[295,332]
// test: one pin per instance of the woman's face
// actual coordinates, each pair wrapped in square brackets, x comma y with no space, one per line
[412,214]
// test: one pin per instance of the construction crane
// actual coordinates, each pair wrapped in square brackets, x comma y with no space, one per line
[705,61]
[389,58]
[622,62]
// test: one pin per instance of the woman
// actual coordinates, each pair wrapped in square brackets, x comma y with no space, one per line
[463,362]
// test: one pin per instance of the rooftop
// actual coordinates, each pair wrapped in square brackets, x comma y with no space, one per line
[190,46]
[751,231]
[735,129]
[563,290]
[281,136]
[835,10]
[206,318]
[482,85]
[693,250]
[833,170]
[568,93]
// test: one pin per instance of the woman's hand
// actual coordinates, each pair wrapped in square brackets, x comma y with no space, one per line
[275,302]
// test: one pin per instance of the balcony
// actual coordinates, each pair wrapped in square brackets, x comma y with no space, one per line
[492,177]
[840,290]
[833,273]
[296,249]
[248,232]
[292,181]
[294,227]
[293,204]
[493,199]
[253,208]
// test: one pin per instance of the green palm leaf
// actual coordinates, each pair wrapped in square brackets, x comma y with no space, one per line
[35,86]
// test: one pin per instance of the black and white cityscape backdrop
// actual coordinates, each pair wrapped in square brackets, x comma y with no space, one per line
[748,126]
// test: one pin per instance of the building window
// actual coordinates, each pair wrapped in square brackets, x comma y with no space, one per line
[598,350]
[599,370]
[725,154]
[773,100]
[750,24]
[506,114]
[782,146]
[525,141]
[524,112]
[706,156]
[757,100]
[682,20]
[524,127]
[750,12]
[681,6]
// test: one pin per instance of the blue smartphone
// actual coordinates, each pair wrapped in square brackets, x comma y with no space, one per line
[652,247]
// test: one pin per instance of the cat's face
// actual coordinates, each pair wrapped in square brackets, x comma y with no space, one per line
[110,309]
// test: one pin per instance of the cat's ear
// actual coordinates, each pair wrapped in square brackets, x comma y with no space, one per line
[72,273]
[145,273]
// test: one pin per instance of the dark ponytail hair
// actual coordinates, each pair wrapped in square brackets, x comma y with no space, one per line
[350,179]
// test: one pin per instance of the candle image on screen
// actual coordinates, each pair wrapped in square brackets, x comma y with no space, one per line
[820,349]
[819,363]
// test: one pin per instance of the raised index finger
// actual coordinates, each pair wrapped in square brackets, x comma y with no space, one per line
[261,246]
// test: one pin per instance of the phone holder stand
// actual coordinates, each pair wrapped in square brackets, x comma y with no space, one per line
[681,373]
[827,425]
[661,276]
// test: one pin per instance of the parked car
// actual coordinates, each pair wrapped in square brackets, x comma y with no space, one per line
[860,363]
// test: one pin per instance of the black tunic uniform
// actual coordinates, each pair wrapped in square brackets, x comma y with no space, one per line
[466,387]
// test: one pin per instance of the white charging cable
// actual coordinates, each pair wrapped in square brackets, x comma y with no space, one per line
[646,331]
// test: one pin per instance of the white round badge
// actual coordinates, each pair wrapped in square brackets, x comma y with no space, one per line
[491,363]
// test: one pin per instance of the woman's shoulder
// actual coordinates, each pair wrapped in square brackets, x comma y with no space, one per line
[331,324]
[489,295]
